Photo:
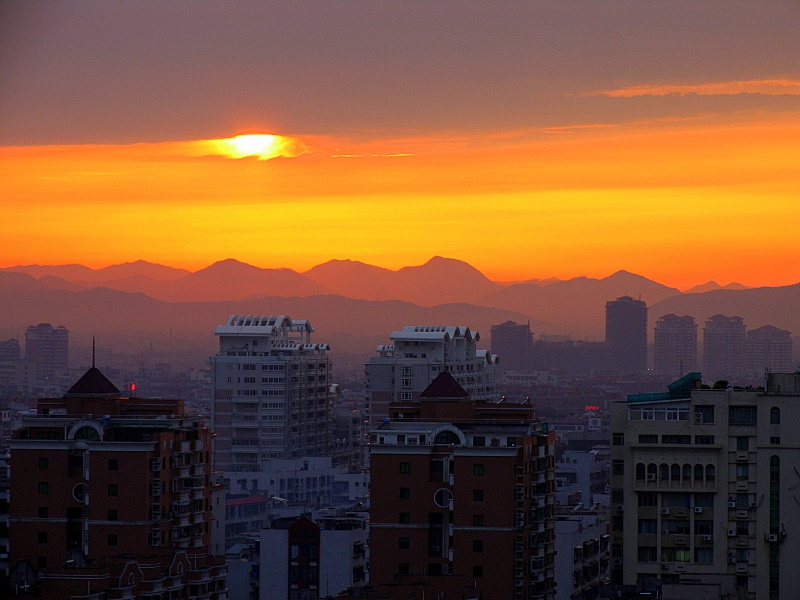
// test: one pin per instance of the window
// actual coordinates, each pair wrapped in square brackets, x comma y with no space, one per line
[477,520]
[479,440]
[704,439]
[774,416]
[742,415]
[405,468]
[742,443]
[617,467]
[41,512]
[775,440]
[44,462]
[676,439]
[405,493]
[647,498]
[113,464]
[41,537]
[679,554]
[703,527]
[742,472]
[403,569]
[647,554]
[404,518]
[404,543]
[406,382]
[113,489]
[742,528]
[477,495]
[704,499]
[477,470]
[477,571]
[41,562]
[647,438]
[704,555]
[648,526]
[44,488]
[112,539]
[618,439]
[113,514]
[477,545]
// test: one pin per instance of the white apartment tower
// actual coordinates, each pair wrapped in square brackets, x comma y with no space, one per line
[703,490]
[417,354]
[272,394]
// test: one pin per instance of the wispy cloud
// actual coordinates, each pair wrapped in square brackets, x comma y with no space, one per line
[766,87]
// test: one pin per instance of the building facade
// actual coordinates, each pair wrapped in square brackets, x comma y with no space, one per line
[111,499]
[462,497]
[626,334]
[272,396]
[416,356]
[724,348]
[675,346]
[702,490]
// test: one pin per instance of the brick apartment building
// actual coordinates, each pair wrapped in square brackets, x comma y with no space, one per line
[462,498]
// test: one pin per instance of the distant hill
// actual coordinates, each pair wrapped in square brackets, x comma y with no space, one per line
[80,273]
[713,285]
[438,281]
[577,306]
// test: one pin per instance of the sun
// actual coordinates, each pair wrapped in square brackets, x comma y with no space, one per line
[261,145]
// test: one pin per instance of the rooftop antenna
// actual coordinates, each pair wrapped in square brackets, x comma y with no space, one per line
[93,352]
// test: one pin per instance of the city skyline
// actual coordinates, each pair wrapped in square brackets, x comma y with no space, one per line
[656,138]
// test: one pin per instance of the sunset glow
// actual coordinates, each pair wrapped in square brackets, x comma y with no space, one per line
[519,141]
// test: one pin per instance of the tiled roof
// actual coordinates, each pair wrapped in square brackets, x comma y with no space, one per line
[93,383]
[444,386]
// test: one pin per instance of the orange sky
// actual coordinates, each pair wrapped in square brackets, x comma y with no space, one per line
[677,202]
[519,140]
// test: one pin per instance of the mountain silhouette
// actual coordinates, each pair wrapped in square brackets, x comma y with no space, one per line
[438,281]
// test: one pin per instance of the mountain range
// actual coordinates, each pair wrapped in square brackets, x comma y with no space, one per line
[353,305]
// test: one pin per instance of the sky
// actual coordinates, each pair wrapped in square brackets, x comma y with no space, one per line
[531,139]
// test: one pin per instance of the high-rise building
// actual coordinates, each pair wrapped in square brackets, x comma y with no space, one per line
[675,346]
[9,350]
[48,348]
[702,490]
[462,495]
[417,355]
[626,334]
[272,396]
[723,347]
[111,498]
[514,342]
[768,348]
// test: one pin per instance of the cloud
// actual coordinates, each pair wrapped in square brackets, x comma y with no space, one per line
[766,87]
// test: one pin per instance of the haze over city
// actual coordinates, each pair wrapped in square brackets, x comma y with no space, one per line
[531,140]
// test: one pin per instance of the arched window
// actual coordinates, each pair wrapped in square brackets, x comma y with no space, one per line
[711,473]
[774,415]
[663,472]
[652,471]
[87,433]
[675,475]
[698,473]
[687,472]
[639,470]
[446,437]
